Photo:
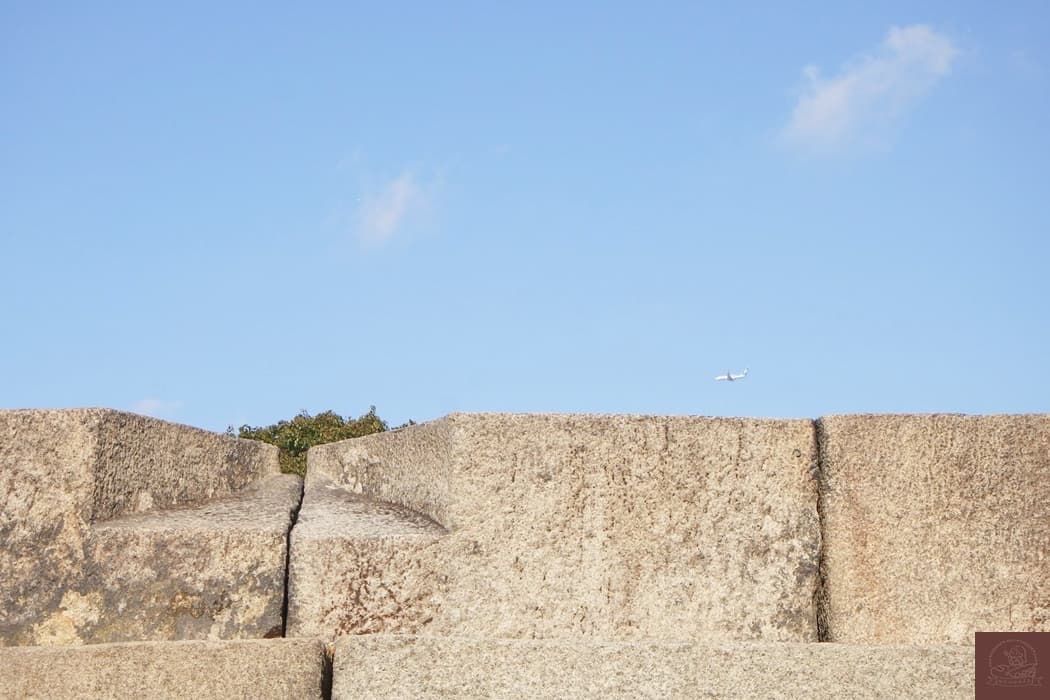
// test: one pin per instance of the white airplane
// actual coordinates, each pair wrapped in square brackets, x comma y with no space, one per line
[730,377]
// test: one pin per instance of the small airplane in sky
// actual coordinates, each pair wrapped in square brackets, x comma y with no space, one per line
[730,377]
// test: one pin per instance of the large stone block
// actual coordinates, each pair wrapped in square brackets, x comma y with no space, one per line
[256,669]
[392,666]
[553,525]
[936,526]
[117,527]
[215,571]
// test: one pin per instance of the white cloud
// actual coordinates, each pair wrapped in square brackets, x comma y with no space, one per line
[156,407]
[871,93]
[384,212]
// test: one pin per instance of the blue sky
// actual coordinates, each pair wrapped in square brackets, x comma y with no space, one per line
[224,213]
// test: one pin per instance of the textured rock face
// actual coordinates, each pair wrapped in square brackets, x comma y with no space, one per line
[936,526]
[116,526]
[541,555]
[45,510]
[360,565]
[546,526]
[215,571]
[387,666]
[257,669]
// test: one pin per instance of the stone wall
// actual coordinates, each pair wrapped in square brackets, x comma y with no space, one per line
[500,555]
[936,526]
[119,527]
[605,526]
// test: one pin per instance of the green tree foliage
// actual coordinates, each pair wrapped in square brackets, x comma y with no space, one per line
[294,437]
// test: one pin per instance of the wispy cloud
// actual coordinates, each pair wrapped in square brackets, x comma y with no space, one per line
[384,212]
[156,407]
[870,93]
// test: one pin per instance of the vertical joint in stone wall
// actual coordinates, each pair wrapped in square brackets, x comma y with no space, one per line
[327,663]
[288,556]
[820,594]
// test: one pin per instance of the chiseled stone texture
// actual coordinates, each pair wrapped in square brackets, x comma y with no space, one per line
[256,669]
[360,565]
[936,526]
[215,571]
[567,525]
[391,666]
[72,480]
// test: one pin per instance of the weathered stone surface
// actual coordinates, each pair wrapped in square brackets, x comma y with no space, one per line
[347,548]
[68,478]
[216,571]
[257,669]
[390,666]
[603,526]
[936,526]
